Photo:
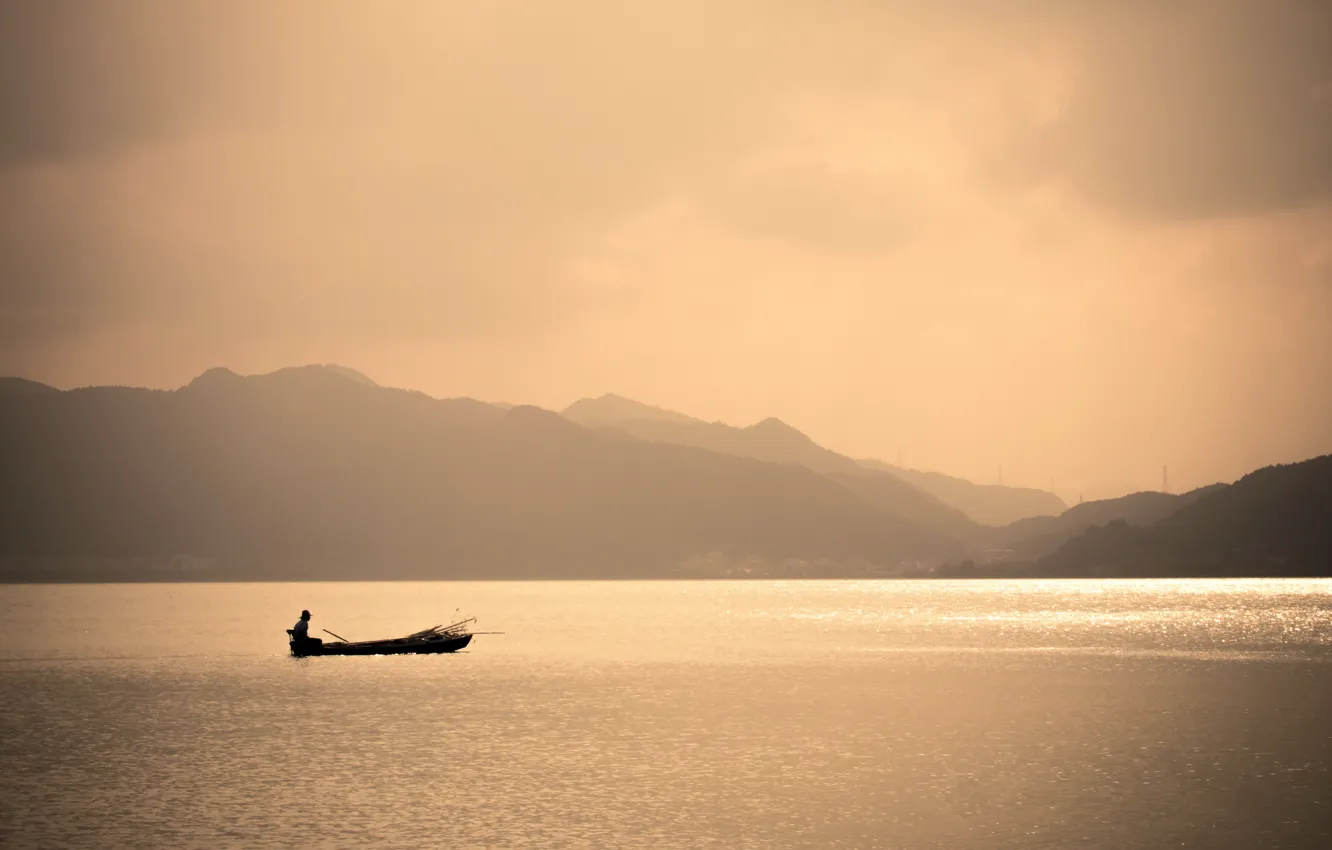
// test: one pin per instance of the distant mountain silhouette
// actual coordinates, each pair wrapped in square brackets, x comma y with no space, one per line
[938,500]
[988,504]
[349,373]
[22,386]
[1036,537]
[774,441]
[611,409]
[899,498]
[771,440]
[315,472]
[1276,521]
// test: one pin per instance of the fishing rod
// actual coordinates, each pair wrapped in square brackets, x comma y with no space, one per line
[339,637]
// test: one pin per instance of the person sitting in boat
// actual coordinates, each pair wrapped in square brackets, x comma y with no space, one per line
[300,633]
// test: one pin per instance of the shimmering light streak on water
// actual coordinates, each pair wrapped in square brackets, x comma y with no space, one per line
[1104,714]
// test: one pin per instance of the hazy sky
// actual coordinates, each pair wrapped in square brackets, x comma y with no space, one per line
[1080,239]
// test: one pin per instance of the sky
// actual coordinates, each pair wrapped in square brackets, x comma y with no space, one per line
[1075,240]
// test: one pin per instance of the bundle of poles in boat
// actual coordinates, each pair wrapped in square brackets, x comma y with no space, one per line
[458,629]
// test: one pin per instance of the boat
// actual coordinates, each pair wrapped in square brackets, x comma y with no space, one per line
[431,641]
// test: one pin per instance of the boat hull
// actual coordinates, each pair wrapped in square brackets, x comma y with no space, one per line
[436,646]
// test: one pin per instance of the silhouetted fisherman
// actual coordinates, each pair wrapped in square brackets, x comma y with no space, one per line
[300,633]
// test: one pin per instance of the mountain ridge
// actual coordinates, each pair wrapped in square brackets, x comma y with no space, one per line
[317,471]
[23,386]
[988,504]
[1272,522]
[1035,537]
[773,440]
[309,474]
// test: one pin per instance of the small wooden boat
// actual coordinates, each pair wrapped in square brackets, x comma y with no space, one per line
[430,641]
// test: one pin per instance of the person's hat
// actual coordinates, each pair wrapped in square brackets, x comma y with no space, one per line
[305,615]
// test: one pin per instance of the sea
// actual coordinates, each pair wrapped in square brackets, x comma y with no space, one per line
[681,714]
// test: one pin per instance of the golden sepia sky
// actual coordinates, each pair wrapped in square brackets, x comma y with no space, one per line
[1079,239]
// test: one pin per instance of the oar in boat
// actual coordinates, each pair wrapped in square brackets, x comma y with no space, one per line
[339,637]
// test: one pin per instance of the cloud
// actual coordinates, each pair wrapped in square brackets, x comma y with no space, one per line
[741,209]
[824,208]
[81,79]
[328,168]
[1193,109]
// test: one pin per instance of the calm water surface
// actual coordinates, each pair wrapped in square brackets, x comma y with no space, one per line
[673,714]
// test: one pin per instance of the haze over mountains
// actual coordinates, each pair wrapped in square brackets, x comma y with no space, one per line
[775,441]
[1276,521]
[319,472]
[312,472]
[1037,536]
[988,504]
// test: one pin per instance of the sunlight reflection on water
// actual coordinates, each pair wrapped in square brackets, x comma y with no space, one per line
[672,714]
